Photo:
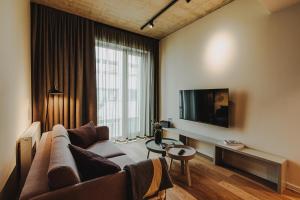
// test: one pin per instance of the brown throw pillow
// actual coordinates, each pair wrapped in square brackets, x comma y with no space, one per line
[83,136]
[91,165]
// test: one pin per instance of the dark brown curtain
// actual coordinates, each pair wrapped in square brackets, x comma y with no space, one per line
[63,55]
[156,82]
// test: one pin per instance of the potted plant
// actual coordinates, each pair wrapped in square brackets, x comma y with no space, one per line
[157,132]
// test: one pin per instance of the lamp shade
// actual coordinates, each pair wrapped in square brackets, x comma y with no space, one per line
[54,91]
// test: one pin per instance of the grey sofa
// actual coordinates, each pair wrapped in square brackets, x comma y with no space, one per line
[53,160]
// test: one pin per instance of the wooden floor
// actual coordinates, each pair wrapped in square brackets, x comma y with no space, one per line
[209,182]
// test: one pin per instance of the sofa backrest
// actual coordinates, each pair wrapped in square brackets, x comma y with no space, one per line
[62,169]
[60,131]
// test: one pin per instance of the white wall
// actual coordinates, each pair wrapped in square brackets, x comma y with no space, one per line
[15,80]
[257,56]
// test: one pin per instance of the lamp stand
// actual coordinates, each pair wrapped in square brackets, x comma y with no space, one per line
[46,117]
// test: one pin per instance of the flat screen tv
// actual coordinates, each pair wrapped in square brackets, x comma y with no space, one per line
[208,106]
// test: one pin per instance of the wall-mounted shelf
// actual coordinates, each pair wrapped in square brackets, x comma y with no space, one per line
[192,135]
[265,168]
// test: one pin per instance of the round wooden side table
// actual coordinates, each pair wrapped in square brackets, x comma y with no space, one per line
[161,148]
[189,154]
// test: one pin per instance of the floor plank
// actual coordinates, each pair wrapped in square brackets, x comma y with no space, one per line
[237,191]
[209,182]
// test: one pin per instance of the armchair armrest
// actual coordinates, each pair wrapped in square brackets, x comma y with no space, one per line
[103,132]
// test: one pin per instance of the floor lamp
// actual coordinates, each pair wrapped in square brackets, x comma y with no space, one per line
[53,92]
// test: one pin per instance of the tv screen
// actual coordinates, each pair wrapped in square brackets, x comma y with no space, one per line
[208,106]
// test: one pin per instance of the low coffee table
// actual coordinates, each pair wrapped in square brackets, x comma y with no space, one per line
[158,148]
[189,154]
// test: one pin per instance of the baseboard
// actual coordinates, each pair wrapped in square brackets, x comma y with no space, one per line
[293,187]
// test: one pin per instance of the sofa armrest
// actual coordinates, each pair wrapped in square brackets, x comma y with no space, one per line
[103,132]
[107,187]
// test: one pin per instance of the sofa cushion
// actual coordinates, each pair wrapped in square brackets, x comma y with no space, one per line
[92,165]
[102,132]
[83,136]
[62,170]
[122,160]
[105,149]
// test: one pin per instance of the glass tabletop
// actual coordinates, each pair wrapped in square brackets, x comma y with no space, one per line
[160,148]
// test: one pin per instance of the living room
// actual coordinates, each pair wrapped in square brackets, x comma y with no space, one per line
[172,99]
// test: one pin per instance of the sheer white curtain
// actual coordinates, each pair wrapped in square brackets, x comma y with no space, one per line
[123,87]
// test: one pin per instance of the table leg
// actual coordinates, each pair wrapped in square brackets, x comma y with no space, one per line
[148,154]
[182,167]
[188,175]
[171,164]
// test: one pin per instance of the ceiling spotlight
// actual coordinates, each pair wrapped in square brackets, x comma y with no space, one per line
[151,25]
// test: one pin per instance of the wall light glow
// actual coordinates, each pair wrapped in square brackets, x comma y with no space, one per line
[220,51]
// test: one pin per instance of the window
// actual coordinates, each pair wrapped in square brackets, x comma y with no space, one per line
[122,89]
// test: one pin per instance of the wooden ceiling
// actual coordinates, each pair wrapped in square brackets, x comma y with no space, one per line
[132,14]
